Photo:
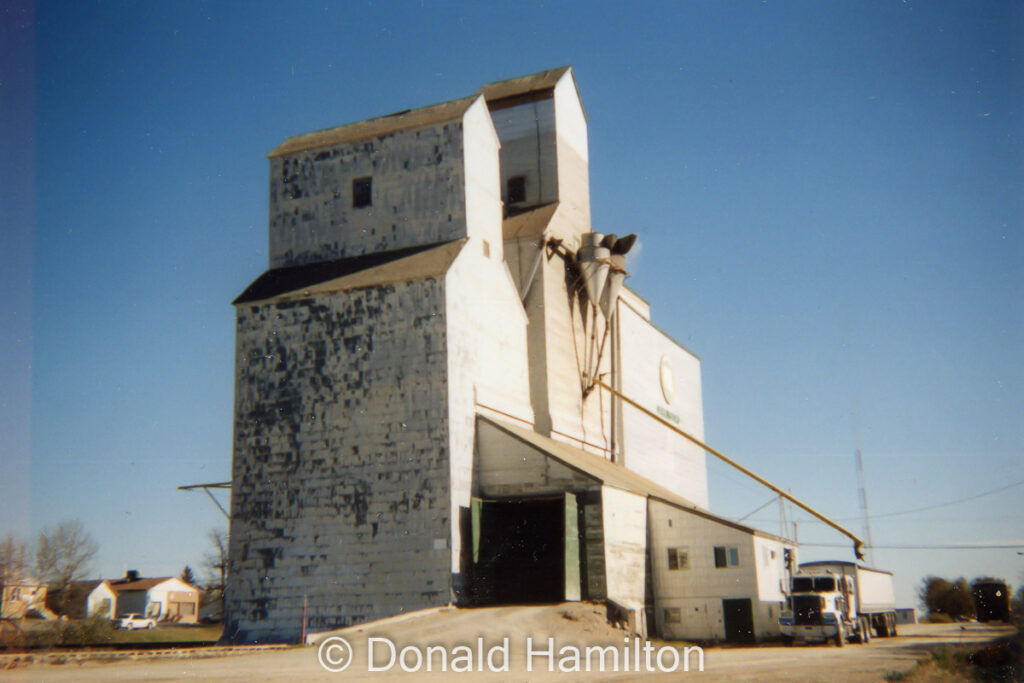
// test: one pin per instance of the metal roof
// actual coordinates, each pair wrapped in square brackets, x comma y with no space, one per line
[367,270]
[382,125]
[530,223]
[521,85]
[123,585]
[424,116]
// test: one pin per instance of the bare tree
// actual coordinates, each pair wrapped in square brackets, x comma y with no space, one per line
[216,562]
[15,560]
[63,554]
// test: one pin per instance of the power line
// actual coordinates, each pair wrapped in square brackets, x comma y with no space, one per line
[762,507]
[928,507]
[952,502]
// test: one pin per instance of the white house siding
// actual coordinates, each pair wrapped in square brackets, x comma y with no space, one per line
[698,591]
[651,449]
[160,596]
[341,475]
[102,600]
[418,194]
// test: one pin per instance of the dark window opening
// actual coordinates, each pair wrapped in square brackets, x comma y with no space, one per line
[362,191]
[517,189]
[726,556]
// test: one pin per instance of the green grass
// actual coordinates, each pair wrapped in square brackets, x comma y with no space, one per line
[101,632]
[172,633]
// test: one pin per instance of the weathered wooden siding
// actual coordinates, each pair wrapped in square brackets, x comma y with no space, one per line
[341,476]
[418,195]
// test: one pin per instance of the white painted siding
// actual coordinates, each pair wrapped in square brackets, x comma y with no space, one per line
[486,358]
[483,184]
[573,154]
[625,544]
[102,601]
[698,590]
[650,448]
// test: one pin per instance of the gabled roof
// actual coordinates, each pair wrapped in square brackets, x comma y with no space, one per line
[616,476]
[523,86]
[382,125]
[123,585]
[368,270]
[494,93]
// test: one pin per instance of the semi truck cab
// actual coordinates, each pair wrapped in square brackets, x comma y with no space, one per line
[822,607]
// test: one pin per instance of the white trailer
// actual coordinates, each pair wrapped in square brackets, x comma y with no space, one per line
[836,600]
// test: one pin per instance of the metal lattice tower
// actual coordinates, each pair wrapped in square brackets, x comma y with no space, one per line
[862,491]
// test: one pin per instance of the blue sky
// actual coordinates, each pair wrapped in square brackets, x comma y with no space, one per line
[828,195]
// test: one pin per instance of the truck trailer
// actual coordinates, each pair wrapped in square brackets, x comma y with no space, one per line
[838,601]
[991,599]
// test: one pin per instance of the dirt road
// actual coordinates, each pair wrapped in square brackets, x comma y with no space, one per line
[573,628]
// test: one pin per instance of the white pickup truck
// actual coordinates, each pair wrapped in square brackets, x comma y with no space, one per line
[839,601]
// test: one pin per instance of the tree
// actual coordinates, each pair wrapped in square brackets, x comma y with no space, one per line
[941,596]
[63,554]
[15,560]
[217,558]
[188,576]
[217,564]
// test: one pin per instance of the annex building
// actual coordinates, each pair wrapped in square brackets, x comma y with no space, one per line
[421,411]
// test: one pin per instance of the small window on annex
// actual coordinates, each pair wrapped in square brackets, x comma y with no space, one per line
[516,189]
[673,615]
[678,558]
[726,556]
[362,192]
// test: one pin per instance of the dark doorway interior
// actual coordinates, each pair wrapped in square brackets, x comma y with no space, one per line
[739,621]
[521,556]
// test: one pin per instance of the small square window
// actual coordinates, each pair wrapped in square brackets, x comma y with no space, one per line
[362,192]
[726,556]
[517,189]
[673,615]
[678,558]
[487,249]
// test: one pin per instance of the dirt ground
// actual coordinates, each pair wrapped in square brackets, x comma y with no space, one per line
[570,626]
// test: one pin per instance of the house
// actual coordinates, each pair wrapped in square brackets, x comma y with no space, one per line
[21,596]
[429,384]
[165,598]
[71,601]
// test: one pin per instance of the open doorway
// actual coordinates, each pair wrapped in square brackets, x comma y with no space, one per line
[520,551]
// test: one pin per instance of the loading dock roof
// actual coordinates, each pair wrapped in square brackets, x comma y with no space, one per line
[611,474]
